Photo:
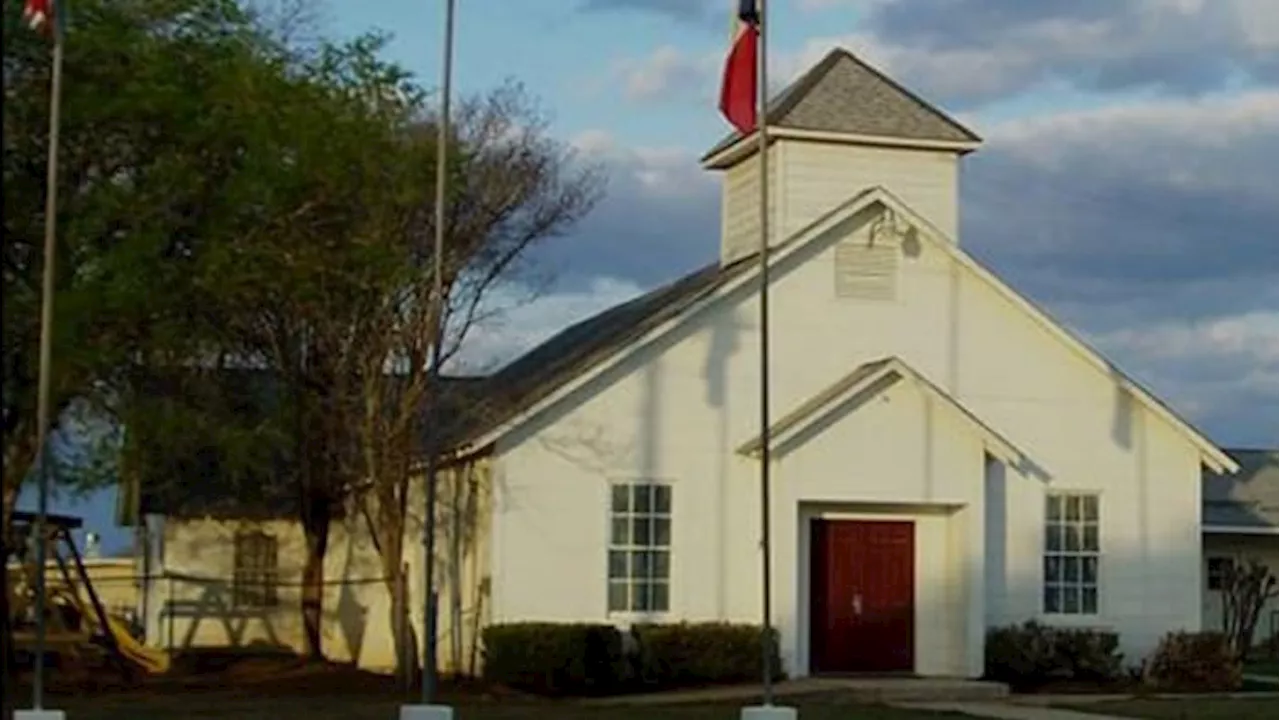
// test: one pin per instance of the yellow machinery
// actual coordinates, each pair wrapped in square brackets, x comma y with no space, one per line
[76,624]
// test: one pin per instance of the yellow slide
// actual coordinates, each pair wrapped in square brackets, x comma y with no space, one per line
[153,660]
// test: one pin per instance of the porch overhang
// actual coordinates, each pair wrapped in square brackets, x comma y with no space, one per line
[1262,530]
[866,382]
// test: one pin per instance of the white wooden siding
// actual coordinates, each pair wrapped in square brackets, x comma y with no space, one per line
[740,222]
[819,176]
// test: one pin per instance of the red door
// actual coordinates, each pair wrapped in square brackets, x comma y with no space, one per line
[862,601]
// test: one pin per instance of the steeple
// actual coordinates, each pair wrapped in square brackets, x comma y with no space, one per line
[840,128]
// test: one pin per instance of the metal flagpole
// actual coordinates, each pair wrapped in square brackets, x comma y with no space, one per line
[46,352]
[429,526]
[766,566]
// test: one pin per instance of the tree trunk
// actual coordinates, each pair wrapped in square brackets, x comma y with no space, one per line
[316,530]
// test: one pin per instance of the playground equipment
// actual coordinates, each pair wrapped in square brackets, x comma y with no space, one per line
[77,625]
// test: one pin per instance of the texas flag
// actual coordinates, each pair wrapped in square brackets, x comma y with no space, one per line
[38,14]
[738,87]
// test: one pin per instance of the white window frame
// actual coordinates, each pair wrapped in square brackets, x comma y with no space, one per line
[640,568]
[1071,554]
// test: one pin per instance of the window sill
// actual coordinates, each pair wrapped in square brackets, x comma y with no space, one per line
[1081,622]
[628,618]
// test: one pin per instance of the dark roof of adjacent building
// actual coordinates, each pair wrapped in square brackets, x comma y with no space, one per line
[1247,499]
[843,94]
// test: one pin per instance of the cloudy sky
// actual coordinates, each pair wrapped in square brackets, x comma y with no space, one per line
[1128,180]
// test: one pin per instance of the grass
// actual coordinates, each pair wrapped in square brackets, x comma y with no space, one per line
[1268,669]
[1182,708]
[217,706]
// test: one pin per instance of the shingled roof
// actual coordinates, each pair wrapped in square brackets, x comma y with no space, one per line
[539,372]
[842,94]
[1247,499]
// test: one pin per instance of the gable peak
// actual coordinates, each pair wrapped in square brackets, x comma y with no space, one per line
[844,95]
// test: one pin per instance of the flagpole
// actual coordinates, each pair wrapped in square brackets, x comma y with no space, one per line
[766,565]
[429,525]
[46,355]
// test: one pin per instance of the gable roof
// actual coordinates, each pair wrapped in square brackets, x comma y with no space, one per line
[842,94]
[874,378]
[520,384]
[660,320]
[1247,500]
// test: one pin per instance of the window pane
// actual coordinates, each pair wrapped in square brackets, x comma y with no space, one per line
[640,595]
[641,498]
[621,531]
[640,531]
[617,596]
[662,499]
[1091,507]
[1053,538]
[1089,570]
[620,498]
[641,565]
[1071,569]
[1089,601]
[662,565]
[1052,599]
[1070,600]
[662,532]
[1090,538]
[1053,508]
[1071,538]
[661,599]
[1053,569]
[1073,507]
[617,565]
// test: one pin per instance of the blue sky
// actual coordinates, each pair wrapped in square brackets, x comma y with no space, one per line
[1128,179]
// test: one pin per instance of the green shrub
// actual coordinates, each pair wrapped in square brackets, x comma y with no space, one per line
[1020,655]
[554,659]
[1089,655]
[1029,655]
[688,654]
[1195,662]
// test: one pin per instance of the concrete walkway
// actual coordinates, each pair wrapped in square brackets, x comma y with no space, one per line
[1006,711]
[851,689]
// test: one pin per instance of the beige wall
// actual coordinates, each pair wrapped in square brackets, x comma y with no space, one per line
[115,580]
[191,601]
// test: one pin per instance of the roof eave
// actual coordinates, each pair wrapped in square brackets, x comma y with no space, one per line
[1240,530]
[724,156]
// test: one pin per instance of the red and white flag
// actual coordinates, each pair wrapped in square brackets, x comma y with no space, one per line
[38,14]
[739,86]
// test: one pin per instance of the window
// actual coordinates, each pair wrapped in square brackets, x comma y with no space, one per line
[640,548]
[1071,552]
[1217,574]
[256,575]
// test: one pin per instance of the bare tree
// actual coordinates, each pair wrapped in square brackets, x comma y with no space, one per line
[1246,587]
[511,187]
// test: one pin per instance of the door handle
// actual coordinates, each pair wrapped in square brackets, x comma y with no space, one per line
[857,604]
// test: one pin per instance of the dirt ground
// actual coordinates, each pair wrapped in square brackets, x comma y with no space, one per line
[209,686]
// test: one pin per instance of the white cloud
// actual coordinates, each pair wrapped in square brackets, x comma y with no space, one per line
[1211,368]
[669,73]
[976,51]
